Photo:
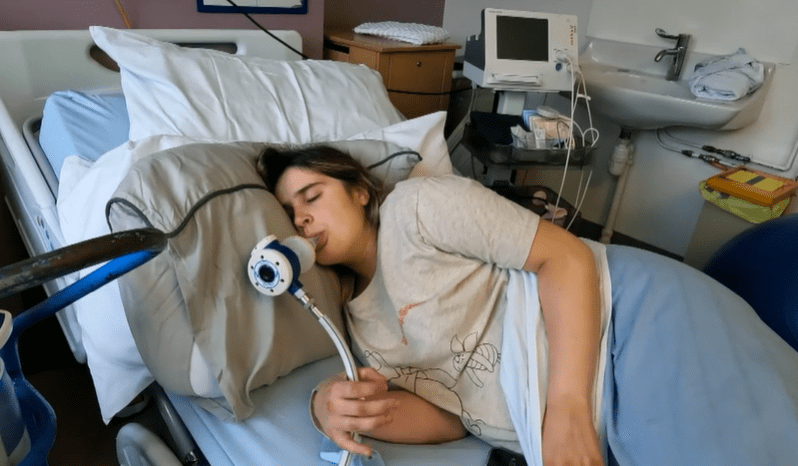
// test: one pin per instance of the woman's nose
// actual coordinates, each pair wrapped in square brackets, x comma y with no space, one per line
[301,220]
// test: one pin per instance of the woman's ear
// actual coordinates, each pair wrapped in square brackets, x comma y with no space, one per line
[362,195]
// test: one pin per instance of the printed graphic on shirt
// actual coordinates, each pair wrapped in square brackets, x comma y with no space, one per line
[402,314]
[472,357]
[438,385]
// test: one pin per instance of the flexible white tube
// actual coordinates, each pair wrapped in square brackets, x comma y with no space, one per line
[343,351]
[626,149]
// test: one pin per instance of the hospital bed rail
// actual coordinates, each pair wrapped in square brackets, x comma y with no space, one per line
[122,252]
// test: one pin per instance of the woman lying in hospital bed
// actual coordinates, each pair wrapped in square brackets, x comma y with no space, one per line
[191,320]
[681,372]
[473,315]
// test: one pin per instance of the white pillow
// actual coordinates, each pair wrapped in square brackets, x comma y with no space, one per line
[423,135]
[117,369]
[215,95]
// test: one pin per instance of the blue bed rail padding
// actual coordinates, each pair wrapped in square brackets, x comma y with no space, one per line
[83,124]
[123,252]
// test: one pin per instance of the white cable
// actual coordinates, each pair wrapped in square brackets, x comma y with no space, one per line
[659,133]
[586,97]
[570,137]
[680,141]
[579,205]
[575,95]
[690,144]
[579,189]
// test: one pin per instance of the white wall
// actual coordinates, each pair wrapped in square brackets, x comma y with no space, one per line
[662,204]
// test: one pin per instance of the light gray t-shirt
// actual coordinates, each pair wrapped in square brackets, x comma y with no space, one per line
[431,318]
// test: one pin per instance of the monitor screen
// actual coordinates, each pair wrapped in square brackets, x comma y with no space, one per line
[520,38]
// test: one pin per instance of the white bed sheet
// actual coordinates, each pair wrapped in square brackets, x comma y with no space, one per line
[280,431]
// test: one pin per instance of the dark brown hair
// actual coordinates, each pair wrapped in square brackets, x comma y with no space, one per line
[272,162]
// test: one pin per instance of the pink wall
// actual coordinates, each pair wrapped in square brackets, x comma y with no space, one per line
[179,14]
[350,13]
[153,14]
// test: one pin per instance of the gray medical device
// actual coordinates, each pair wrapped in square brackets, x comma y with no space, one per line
[522,51]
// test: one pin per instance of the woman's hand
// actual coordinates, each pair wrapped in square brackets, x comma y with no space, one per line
[342,407]
[569,437]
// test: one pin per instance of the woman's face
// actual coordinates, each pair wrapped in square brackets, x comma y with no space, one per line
[325,208]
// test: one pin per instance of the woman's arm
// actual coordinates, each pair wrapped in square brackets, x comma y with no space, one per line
[568,284]
[369,408]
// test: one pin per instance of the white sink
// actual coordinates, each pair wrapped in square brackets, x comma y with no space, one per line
[627,86]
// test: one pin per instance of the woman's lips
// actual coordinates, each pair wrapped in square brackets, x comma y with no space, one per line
[318,240]
[321,241]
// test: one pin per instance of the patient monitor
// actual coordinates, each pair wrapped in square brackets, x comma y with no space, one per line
[522,51]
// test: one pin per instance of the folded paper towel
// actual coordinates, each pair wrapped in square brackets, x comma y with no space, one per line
[406,32]
[727,77]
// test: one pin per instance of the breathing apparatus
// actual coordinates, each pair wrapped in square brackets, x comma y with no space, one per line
[274,268]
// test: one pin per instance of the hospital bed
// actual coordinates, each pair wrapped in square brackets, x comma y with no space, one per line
[61,81]
[166,119]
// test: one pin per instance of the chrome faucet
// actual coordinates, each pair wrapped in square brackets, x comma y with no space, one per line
[677,53]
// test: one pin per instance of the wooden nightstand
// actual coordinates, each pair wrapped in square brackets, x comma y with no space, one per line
[403,66]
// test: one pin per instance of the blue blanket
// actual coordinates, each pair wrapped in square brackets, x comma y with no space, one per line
[694,376]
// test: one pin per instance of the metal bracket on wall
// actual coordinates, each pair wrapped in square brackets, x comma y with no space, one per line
[271,7]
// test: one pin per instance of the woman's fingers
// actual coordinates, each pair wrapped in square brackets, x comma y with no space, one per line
[345,441]
[370,385]
[361,423]
[360,406]
[369,373]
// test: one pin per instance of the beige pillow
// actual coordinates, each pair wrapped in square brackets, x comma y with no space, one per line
[196,294]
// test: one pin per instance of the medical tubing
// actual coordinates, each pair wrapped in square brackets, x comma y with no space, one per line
[54,264]
[580,201]
[570,141]
[138,247]
[96,279]
[343,350]
[338,339]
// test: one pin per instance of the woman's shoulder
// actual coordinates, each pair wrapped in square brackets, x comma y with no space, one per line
[432,185]
[430,197]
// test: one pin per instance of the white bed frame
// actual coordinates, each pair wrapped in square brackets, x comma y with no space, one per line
[38,63]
